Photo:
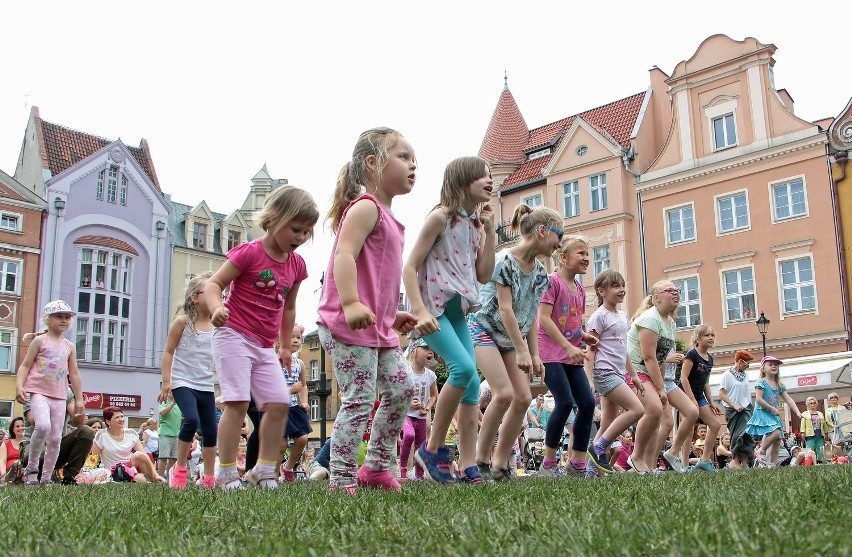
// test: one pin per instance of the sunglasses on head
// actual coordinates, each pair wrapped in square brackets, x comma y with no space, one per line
[559,232]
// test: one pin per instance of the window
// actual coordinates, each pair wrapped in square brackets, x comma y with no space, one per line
[122,344]
[739,294]
[6,409]
[99,192]
[234,239]
[689,310]
[97,336]
[797,285]
[680,224]
[11,221]
[534,201]
[538,154]
[733,212]
[582,150]
[82,330]
[315,414]
[10,269]
[789,199]
[724,131]
[597,192]
[123,195]
[84,302]
[314,370]
[600,258]
[113,175]
[110,346]
[199,236]
[7,350]
[571,199]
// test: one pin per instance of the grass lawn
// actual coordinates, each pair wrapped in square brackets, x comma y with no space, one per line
[788,511]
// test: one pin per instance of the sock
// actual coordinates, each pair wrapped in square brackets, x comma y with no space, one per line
[403,472]
[601,445]
[578,463]
[265,466]
[228,470]
[549,463]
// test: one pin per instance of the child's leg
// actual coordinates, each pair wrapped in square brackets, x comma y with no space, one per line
[514,419]
[419,431]
[468,427]
[408,437]
[230,426]
[494,371]
[54,438]
[272,431]
[770,446]
[396,389]
[355,368]
[646,431]
[624,397]
[40,413]
[557,381]
[713,427]
[585,401]
[296,451]
[688,417]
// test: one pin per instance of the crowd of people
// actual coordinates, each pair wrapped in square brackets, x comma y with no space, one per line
[499,313]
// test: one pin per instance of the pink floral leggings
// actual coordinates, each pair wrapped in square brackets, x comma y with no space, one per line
[364,374]
[48,416]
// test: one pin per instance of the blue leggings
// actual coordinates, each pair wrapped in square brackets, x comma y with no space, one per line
[198,408]
[569,386]
[453,344]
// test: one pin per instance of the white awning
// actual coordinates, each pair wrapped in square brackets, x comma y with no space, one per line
[804,373]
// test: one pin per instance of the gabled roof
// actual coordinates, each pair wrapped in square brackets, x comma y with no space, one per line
[64,147]
[614,121]
[507,133]
[177,225]
[26,194]
[840,131]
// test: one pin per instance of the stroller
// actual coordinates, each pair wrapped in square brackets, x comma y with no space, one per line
[533,449]
[845,427]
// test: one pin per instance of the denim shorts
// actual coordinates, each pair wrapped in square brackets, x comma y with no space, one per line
[481,338]
[607,380]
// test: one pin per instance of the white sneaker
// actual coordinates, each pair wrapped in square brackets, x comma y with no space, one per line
[673,461]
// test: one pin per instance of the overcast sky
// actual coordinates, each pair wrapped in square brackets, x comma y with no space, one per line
[219,89]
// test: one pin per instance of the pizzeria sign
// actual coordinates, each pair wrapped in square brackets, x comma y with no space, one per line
[102,400]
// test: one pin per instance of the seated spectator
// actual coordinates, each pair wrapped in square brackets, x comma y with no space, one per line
[619,461]
[318,469]
[723,451]
[121,448]
[10,448]
[93,460]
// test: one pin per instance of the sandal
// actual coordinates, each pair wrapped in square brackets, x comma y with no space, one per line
[31,478]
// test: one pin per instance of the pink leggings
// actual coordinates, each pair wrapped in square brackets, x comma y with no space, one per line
[413,431]
[48,416]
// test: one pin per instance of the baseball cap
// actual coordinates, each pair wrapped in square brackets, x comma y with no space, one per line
[57,306]
[770,359]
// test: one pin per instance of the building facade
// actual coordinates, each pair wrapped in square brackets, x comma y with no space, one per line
[21,215]
[105,251]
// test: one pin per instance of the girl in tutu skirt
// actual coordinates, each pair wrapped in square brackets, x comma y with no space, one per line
[766,420]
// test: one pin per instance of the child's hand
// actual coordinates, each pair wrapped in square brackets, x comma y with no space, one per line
[358,316]
[79,408]
[664,399]
[165,392]
[297,386]
[426,323]
[486,217]
[716,410]
[404,322]
[220,316]
[286,357]
[575,354]
[21,395]
[590,340]
[638,385]
[537,365]
[524,361]
[304,406]
[424,411]
[415,404]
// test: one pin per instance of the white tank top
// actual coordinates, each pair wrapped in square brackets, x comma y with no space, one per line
[192,365]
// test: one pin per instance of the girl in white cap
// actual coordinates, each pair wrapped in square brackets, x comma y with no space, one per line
[42,382]
[766,419]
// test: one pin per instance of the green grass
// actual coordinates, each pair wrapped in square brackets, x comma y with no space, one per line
[788,511]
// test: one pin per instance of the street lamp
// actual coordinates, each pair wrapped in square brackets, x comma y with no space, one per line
[762,324]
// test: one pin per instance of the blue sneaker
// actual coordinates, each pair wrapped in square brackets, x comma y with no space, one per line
[436,466]
[599,461]
[471,476]
[706,466]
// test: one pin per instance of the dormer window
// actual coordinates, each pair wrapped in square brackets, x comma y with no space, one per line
[199,236]
[724,132]
[234,239]
[538,154]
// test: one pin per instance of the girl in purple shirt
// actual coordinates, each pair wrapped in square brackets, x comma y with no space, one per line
[358,313]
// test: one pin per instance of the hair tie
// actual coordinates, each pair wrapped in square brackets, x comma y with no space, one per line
[529,209]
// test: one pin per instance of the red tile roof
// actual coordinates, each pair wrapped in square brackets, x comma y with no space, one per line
[64,147]
[614,121]
[106,242]
[507,133]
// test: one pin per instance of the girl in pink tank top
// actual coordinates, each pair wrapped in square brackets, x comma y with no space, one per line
[358,313]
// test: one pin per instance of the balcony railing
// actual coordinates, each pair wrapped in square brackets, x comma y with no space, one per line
[505,235]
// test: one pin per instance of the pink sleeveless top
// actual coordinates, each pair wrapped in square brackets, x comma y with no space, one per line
[379,267]
[49,372]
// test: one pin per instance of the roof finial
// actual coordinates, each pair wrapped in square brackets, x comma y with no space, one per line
[505,80]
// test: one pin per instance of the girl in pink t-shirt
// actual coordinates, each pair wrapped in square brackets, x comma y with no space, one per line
[560,339]
[264,277]
[358,313]
[42,382]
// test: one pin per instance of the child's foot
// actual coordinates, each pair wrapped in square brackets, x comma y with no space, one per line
[335,487]
[436,466]
[256,478]
[177,477]
[228,481]
[484,471]
[288,475]
[377,479]
[471,476]
[207,482]
[31,477]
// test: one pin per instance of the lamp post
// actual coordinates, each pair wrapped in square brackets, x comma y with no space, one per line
[762,324]
[323,393]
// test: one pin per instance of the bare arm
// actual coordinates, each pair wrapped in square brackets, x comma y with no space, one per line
[213,292]
[487,246]
[545,321]
[175,332]
[303,392]
[723,396]
[435,224]
[78,416]
[24,370]
[4,456]
[648,345]
[288,321]
[359,223]
[510,323]
[685,370]
[792,403]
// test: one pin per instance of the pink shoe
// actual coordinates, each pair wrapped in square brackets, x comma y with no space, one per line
[343,490]
[177,477]
[377,479]
[208,482]
[289,475]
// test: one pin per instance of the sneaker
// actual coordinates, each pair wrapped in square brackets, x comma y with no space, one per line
[673,461]
[599,461]
[207,482]
[553,473]
[471,476]
[501,474]
[572,472]
[707,466]
[377,479]
[436,466]
[177,477]
[68,480]
[484,471]
[229,481]
[288,475]
[256,478]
